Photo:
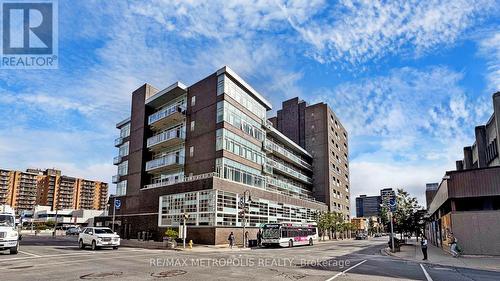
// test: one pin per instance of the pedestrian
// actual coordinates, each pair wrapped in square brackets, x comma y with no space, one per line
[231,240]
[453,246]
[423,244]
[259,238]
[246,239]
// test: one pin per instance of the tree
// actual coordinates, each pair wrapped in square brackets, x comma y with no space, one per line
[407,214]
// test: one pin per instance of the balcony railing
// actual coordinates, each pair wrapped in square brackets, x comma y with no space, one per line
[289,171]
[272,146]
[118,141]
[115,179]
[166,136]
[117,160]
[165,161]
[182,179]
[165,113]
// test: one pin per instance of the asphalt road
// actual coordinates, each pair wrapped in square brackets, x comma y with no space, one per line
[47,259]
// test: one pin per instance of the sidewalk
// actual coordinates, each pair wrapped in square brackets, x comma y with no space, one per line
[438,256]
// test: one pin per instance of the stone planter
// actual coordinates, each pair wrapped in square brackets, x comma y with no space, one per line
[169,243]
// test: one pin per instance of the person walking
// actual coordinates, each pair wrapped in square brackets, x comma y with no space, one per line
[453,246]
[231,240]
[423,244]
[259,238]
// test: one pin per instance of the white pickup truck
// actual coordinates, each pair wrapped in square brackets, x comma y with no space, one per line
[9,237]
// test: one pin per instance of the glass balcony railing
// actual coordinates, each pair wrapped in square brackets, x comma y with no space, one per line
[291,189]
[115,179]
[165,113]
[117,160]
[166,136]
[272,146]
[165,161]
[118,141]
[289,171]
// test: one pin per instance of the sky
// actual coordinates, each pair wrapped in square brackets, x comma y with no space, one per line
[408,79]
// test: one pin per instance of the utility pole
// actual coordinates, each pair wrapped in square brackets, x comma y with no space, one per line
[392,232]
[245,215]
[114,212]
[184,230]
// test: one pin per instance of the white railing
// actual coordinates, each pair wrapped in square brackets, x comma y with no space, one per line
[166,160]
[164,113]
[165,136]
[182,179]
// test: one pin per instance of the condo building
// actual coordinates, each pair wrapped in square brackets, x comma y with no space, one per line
[201,152]
[25,190]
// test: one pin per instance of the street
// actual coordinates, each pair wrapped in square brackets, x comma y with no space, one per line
[44,258]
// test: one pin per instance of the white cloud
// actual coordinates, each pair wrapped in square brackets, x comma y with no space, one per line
[358,31]
[489,48]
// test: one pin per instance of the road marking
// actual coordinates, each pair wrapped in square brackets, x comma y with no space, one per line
[427,276]
[87,253]
[345,271]
[30,254]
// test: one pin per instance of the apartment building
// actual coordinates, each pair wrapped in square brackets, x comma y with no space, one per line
[484,152]
[317,129]
[203,150]
[24,190]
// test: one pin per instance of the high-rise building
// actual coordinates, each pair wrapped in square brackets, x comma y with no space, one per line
[317,129]
[200,150]
[24,190]
[368,206]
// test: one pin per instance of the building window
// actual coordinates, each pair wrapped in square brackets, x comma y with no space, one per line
[192,126]
[193,100]
[191,151]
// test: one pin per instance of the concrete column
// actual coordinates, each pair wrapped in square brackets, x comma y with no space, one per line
[481,143]
[467,158]
[496,111]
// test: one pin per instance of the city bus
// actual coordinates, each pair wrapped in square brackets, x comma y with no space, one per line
[289,234]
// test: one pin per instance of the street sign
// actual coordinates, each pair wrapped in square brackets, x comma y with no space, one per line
[392,204]
[118,203]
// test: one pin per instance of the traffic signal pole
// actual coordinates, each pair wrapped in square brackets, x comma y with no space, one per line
[392,233]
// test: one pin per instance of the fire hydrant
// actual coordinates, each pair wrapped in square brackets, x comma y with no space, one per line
[190,244]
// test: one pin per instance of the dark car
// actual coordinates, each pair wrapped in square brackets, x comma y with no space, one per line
[361,236]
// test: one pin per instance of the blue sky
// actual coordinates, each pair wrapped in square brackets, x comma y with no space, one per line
[409,79]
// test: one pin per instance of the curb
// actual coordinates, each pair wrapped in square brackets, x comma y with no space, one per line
[386,252]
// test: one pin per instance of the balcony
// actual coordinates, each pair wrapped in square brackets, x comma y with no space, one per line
[115,179]
[166,139]
[167,117]
[284,154]
[119,141]
[164,164]
[289,171]
[117,160]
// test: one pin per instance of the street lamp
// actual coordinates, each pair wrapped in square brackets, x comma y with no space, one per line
[244,207]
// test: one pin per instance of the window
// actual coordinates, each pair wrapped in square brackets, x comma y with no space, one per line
[191,151]
[192,126]
[193,100]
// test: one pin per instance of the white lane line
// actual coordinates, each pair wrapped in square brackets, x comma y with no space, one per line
[427,276]
[87,253]
[30,254]
[345,271]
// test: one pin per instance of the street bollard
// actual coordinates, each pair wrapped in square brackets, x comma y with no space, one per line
[190,244]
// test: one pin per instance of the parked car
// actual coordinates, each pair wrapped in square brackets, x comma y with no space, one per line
[361,236]
[73,231]
[378,235]
[98,237]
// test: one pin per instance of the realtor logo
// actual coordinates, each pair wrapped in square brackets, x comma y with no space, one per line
[29,34]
